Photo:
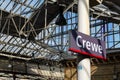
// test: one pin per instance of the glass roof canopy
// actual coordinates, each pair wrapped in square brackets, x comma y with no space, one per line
[25,8]
[20,7]
[24,47]
[17,45]
[11,44]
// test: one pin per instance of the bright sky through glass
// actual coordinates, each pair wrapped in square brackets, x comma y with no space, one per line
[20,7]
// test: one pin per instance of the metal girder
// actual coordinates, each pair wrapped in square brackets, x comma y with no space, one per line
[27,45]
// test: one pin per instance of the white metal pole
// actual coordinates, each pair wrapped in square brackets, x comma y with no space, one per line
[83,67]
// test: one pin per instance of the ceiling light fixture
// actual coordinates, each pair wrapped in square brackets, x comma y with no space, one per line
[61,21]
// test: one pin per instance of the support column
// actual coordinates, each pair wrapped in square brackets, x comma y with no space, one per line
[83,67]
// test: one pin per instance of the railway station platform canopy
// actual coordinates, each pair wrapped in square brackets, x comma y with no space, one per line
[28,32]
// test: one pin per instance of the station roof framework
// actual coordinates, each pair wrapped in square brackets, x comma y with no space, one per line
[22,8]
[20,30]
[28,30]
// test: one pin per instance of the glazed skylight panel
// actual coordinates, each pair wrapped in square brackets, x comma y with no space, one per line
[20,7]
